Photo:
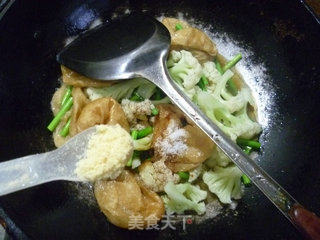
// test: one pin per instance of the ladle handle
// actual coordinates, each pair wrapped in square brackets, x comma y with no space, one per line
[22,173]
[277,195]
[307,222]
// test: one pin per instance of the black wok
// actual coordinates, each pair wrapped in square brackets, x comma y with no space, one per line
[282,35]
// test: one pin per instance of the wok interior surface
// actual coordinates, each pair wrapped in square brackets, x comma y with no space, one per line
[281,34]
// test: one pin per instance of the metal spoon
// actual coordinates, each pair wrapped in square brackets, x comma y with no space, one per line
[137,46]
[33,170]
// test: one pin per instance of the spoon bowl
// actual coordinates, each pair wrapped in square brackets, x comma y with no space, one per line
[117,51]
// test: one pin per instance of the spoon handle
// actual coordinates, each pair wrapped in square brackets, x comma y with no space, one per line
[22,173]
[307,222]
[276,194]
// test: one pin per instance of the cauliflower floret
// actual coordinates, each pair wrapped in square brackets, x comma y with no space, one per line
[189,92]
[224,182]
[232,103]
[123,89]
[195,173]
[246,128]
[235,125]
[211,73]
[182,197]
[136,110]
[143,144]
[156,175]
[184,68]
[218,158]
[176,56]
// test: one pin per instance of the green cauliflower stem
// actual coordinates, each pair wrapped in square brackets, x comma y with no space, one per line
[182,197]
[184,69]
[225,183]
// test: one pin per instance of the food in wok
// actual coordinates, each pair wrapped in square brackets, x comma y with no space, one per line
[157,160]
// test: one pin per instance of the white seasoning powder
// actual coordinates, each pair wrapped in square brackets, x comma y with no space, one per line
[174,142]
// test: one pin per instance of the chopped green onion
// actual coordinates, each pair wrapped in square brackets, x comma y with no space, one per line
[250,143]
[232,62]
[246,181]
[203,83]
[129,163]
[155,111]
[218,67]
[247,149]
[135,155]
[65,108]
[65,130]
[136,97]
[231,87]
[134,134]
[67,95]
[178,26]
[144,132]
[184,176]
[244,178]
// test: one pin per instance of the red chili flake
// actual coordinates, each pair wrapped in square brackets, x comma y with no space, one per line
[189,221]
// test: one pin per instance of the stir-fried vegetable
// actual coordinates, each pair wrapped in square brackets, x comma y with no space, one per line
[212,88]
[245,180]
[224,182]
[203,83]
[232,88]
[184,196]
[218,158]
[219,68]
[185,69]
[184,176]
[233,124]
[134,134]
[56,120]
[232,62]
[136,97]
[155,111]
[135,155]
[143,144]
[124,89]
[144,132]
[178,26]
[65,130]
[250,143]
[67,95]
